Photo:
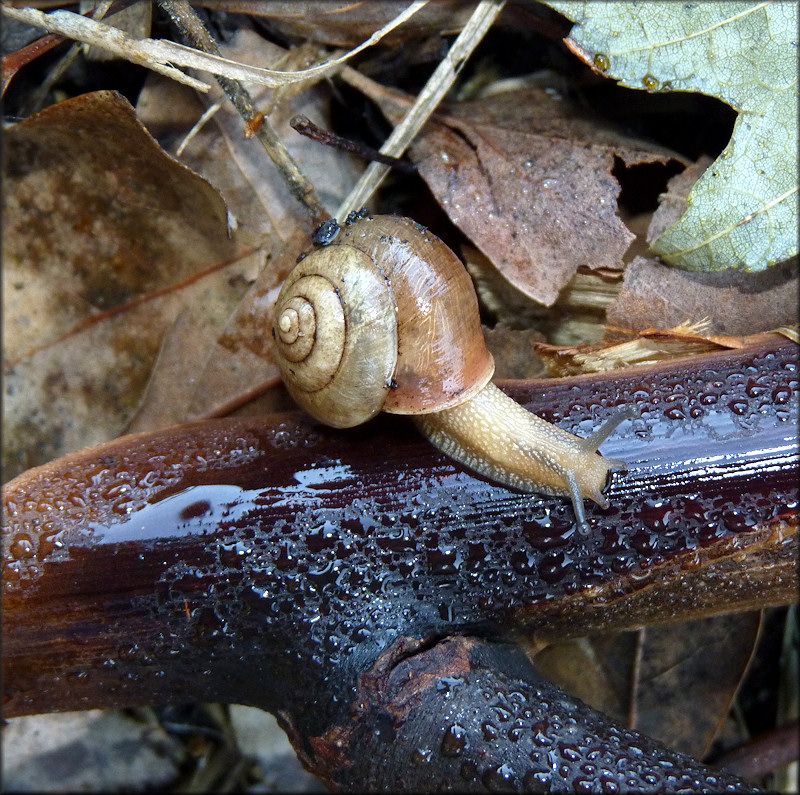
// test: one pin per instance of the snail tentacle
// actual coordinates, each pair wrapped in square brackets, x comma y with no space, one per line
[594,441]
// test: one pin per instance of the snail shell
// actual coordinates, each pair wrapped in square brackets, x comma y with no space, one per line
[385,318]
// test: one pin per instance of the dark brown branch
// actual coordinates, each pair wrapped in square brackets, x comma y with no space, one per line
[271,561]
[306,127]
[472,716]
[763,754]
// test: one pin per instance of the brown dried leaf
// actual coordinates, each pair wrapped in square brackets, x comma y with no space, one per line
[649,346]
[688,677]
[238,362]
[655,295]
[105,240]
[672,203]
[596,669]
[528,179]
[673,682]
[347,24]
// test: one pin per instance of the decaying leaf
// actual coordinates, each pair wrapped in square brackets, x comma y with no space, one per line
[238,363]
[698,667]
[650,345]
[105,240]
[673,203]
[674,682]
[528,179]
[743,211]
[731,302]
[345,23]
[655,295]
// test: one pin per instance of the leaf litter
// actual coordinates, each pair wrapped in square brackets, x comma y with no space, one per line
[106,239]
[743,212]
[527,178]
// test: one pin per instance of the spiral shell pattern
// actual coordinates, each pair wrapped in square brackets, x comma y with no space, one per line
[336,333]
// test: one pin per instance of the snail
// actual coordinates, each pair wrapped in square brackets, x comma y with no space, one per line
[384,317]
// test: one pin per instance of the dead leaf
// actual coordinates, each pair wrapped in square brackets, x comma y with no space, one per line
[655,295]
[672,203]
[688,677]
[528,179]
[347,24]
[673,682]
[105,240]
[593,670]
[238,363]
[497,295]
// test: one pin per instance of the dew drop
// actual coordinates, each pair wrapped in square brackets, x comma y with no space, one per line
[738,407]
[196,509]
[781,395]
[22,547]
[421,756]
[609,785]
[489,732]
[650,83]
[570,753]
[536,781]
[601,62]
[516,734]
[500,779]
[454,741]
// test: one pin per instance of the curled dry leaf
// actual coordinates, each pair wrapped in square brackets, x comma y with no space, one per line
[528,179]
[238,363]
[106,239]
[348,23]
[649,346]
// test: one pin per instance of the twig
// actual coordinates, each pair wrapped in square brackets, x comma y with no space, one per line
[763,754]
[146,52]
[636,671]
[431,95]
[160,54]
[209,112]
[306,127]
[190,25]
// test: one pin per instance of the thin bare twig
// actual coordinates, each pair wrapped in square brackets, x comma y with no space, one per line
[306,127]
[431,95]
[192,28]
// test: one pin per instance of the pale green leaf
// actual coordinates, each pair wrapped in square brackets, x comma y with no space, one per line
[742,213]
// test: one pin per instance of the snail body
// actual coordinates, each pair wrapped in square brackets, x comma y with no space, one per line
[385,318]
